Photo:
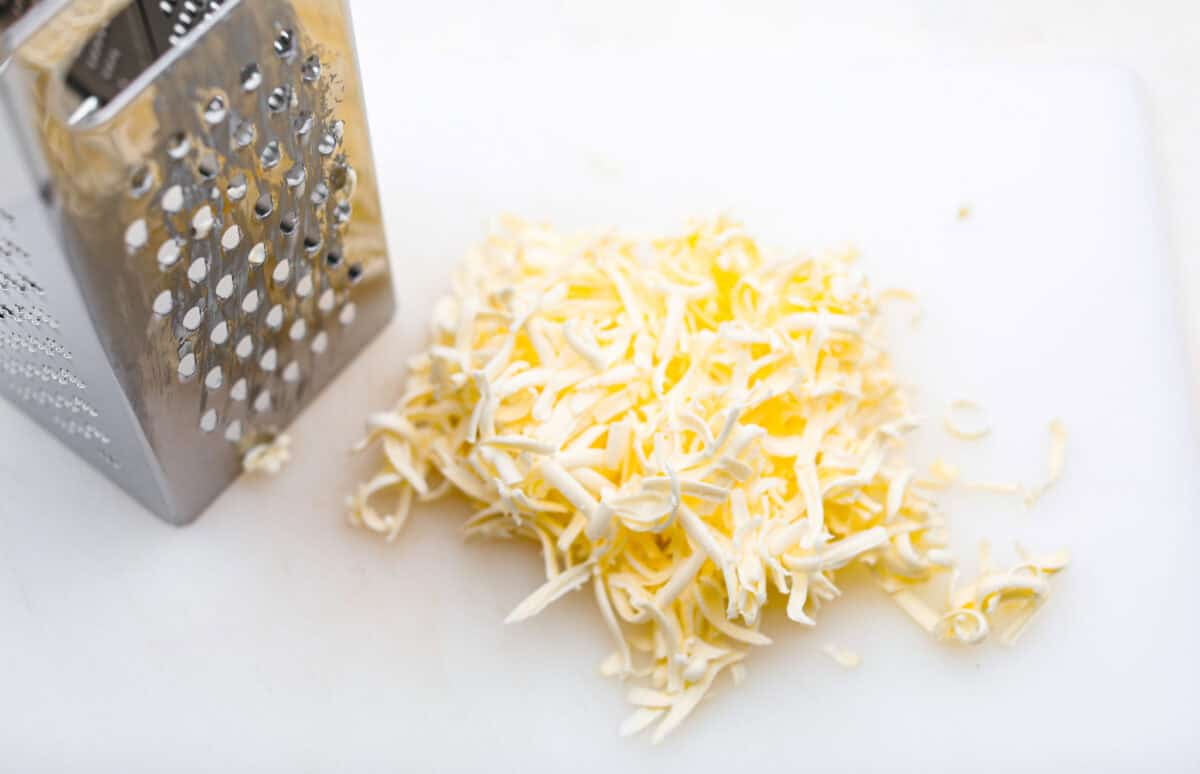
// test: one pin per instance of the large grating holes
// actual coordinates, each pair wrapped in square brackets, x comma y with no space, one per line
[202,222]
[304,286]
[231,238]
[245,347]
[137,234]
[198,270]
[187,366]
[163,303]
[172,199]
[193,317]
[251,77]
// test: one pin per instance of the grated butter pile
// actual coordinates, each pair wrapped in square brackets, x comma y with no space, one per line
[688,426]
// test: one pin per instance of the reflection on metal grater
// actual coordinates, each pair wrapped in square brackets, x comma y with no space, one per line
[191,243]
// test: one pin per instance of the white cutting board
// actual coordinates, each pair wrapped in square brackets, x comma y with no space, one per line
[271,637]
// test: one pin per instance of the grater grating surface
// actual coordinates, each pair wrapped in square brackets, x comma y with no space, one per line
[218,262]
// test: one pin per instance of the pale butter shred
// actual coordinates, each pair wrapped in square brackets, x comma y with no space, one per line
[269,457]
[691,427]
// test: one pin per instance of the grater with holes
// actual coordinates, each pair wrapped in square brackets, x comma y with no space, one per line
[191,244]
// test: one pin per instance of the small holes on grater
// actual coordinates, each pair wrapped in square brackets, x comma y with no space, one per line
[257,255]
[320,342]
[303,123]
[295,176]
[236,190]
[233,433]
[269,360]
[239,390]
[142,181]
[285,44]
[215,110]
[275,317]
[279,99]
[243,135]
[271,155]
[220,333]
[291,372]
[304,286]
[250,302]
[310,71]
[183,16]
[264,206]
[224,287]
[245,347]
[208,422]
[348,313]
[341,212]
[251,77]
[214,379]
[298,330]
[262,402]
[282,271]
[208,166]
[178,145]
[287,223]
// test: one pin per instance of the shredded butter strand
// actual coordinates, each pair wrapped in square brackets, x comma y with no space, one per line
[695,426]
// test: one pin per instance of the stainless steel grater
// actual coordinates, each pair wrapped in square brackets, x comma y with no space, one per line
[191,245]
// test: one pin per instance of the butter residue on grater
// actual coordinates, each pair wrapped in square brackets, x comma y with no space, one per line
[207,228]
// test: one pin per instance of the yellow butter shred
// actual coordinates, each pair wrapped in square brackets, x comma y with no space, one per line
[268,458]
[691,426]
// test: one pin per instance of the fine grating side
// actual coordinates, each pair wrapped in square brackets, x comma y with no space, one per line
[36,365]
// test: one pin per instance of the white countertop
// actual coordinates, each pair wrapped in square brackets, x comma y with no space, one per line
[1155,39]
[270,637]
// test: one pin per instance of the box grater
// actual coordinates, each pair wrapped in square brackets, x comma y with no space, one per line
[191,245]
